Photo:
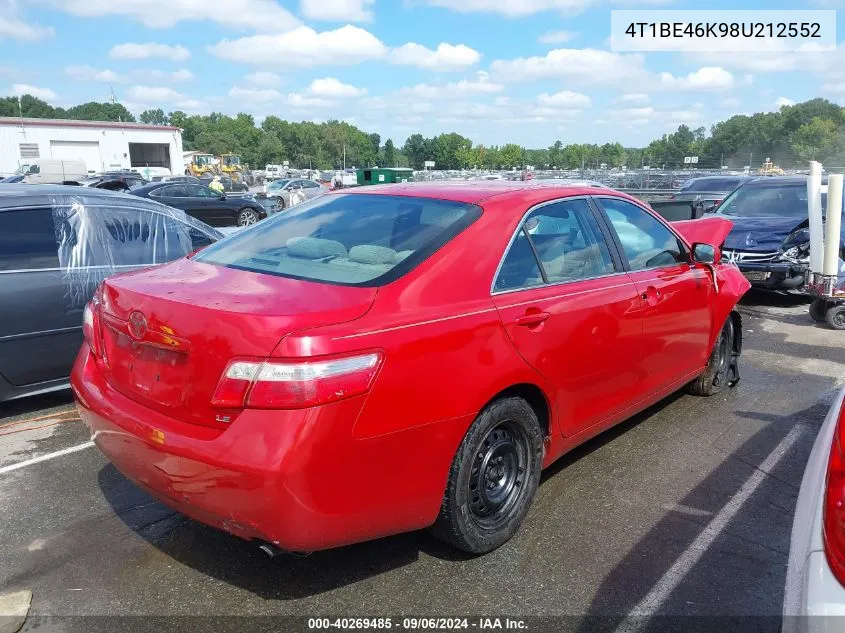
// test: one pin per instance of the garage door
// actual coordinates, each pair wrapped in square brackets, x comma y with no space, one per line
[87,151]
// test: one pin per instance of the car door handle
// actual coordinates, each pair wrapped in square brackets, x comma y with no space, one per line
[532,318]
[645,295]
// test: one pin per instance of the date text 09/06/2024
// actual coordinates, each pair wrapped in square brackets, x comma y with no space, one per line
[417,624]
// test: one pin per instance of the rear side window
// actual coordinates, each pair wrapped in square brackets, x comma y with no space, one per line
[356,240]
[567,242]
[27,240]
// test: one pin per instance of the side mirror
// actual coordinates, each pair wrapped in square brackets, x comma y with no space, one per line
[222,196]
[703,253]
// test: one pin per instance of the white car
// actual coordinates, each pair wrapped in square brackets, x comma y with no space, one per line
[815,575]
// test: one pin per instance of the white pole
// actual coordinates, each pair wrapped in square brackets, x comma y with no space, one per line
[833,224]
[814,208]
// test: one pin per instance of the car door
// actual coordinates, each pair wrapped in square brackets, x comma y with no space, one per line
[676,294]
[571,311]
[311,189]
[215,207]
[40,323]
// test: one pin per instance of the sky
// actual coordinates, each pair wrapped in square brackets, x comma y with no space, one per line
[497,71]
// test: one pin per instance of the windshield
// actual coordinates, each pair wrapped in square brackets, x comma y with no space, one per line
[769,201]
[355,240]
[277,184]
[233,160]
[203,160]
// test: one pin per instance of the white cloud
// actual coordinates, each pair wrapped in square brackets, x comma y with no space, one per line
[296,100]
[685,116]
[557,37]
[259,15]
[154,94]
[19,90]
[513,9]
[783,101]
[338,10]
[447,57]
[707,78]
[149,50]
[332,88]
[87,73]
[12,28]
[345,46]
[731,103]
[831,88]
[183,74]
[263,78]
[564,99]
[634,97]
[454,90]
[587,66]
[256,95]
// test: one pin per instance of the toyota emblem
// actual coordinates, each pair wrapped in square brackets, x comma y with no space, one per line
[137,325]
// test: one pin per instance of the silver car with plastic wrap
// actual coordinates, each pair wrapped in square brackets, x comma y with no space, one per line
[814,599]
[57,243]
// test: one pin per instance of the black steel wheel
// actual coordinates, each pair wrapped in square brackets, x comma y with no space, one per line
[498,474]
[493,478]
[835,317]
[721,365]
[818,309]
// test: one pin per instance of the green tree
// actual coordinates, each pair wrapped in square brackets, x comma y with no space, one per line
[816,139]
[389,154]
[512,156]
[154,117]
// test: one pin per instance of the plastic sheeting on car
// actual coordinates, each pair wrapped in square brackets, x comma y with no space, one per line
[98,236]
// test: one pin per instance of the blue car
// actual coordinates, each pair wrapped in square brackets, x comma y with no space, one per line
[770,241]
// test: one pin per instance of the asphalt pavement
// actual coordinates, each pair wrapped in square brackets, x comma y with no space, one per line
[685,510]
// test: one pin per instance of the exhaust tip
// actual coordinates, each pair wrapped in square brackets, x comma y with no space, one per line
[273,550]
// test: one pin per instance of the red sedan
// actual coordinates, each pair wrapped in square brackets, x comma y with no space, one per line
[401,357]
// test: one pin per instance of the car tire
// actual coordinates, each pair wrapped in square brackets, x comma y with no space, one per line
[818,310]
[280,203]
[716,375]
[493,478]
[835,317]
[247,216]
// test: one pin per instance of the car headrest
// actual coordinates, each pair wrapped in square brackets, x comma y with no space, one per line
[315,248]
[372,254]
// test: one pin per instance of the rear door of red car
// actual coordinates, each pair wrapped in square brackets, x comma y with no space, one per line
[676,295]
[572,312]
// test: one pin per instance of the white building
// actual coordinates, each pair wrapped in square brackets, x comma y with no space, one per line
[103,145]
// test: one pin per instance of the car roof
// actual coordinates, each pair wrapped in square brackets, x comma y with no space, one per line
[725,177]
[475,191]
[20,194]
[779,181]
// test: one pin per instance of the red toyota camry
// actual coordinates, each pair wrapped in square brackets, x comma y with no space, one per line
[387,359]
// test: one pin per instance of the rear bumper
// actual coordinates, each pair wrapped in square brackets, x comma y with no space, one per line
[296,479]
[775,275]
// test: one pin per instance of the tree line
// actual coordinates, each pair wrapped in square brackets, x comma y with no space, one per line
[795,134]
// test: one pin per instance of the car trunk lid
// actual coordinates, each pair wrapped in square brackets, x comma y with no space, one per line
[168,333]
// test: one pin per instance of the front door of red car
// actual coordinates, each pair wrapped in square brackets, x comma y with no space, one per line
[676,295]
[572,313]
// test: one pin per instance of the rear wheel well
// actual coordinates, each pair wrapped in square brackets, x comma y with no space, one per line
[737,319]
[536,399]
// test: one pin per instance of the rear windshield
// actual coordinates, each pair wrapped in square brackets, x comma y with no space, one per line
[711,184]
[347,239]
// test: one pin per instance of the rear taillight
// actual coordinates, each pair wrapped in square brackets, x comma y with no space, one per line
[834,504]
[91,327]
[295,384]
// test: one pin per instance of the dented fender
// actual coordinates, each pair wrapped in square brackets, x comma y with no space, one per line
[712,230]
[732,286]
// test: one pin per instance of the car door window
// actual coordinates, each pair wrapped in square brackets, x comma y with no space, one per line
[557,243]
[28,240]
[646,241]
[568,241]
[199,191]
